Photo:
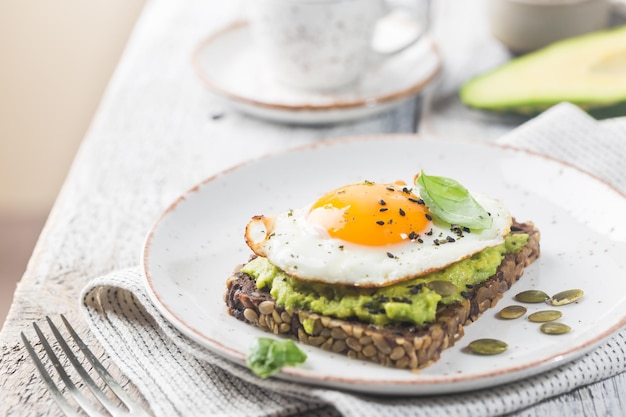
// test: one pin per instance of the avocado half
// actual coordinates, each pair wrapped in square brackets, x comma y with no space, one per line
[588,70]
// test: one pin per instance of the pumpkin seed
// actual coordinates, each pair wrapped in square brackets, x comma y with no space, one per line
[443,288]
[555,328]
[512,312]
[487,346]
[566,297]
[532,296]
[545,316]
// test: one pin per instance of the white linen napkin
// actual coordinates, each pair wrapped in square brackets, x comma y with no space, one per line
[179,377]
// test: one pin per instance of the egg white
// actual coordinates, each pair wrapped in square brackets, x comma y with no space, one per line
[309,253]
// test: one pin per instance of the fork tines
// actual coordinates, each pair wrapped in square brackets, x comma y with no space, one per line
[113,407]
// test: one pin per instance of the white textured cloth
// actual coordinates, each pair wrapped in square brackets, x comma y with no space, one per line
[179,377]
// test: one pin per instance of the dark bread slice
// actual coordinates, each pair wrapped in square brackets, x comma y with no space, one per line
[409,347]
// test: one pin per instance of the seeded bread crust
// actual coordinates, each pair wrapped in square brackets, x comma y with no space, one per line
[408,347]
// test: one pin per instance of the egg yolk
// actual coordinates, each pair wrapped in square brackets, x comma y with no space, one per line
[371,214]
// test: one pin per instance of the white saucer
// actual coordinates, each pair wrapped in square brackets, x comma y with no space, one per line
[229,65]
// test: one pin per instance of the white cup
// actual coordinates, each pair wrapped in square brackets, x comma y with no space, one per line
[526,25]
[322,44]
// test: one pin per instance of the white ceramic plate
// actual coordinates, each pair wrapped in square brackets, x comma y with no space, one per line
[196,243]
[229,65]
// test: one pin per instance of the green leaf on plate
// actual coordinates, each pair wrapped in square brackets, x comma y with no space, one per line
[450,202]
[268,356]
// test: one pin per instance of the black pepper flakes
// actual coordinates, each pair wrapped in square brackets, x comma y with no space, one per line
[450,239]
[456,230]
[402,213]
[380,222]
[466,294]
[390,255]
[416,200]
[428,216]
[382,202]
[383,209]
[414,289]
[402,300]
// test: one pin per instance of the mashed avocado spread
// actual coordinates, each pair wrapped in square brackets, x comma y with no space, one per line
[412,301]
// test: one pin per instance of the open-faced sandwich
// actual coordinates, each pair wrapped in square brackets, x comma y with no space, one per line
[388,273]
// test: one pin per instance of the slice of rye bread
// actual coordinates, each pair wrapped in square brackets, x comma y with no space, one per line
[401,346]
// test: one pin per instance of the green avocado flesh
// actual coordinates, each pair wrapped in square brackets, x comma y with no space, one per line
[588,70]
[410,302]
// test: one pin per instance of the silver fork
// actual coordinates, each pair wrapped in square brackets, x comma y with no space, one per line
[114,408]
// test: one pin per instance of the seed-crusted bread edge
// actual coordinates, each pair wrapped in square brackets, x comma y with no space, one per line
[409,347]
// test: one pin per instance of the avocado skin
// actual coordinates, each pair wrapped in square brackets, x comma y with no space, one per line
[528,72]
[607,112]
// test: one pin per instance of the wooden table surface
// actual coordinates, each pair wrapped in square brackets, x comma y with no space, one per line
[158,132]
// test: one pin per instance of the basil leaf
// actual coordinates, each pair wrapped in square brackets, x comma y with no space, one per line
[268,356]
[450,202]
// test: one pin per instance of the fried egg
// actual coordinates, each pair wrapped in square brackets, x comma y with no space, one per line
[369,235]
